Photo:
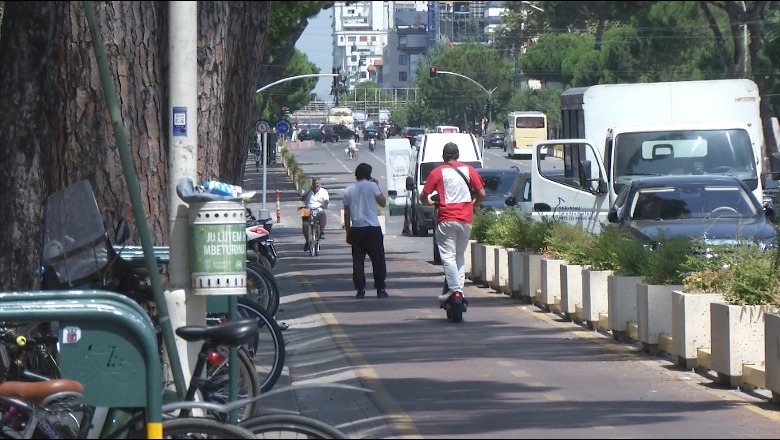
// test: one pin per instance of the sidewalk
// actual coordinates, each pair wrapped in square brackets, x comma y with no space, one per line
[314,361]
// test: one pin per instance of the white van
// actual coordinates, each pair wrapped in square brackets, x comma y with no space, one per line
[446,129]
[427,155]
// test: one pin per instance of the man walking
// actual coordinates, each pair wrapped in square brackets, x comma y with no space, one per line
[364,232]
[454,182]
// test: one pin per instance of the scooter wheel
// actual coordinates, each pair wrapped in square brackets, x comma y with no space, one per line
[455,311]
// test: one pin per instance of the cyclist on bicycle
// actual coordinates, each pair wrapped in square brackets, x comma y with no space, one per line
[351,150]
[315,198]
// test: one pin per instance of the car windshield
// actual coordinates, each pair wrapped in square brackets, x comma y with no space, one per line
[498,185]
[705,201]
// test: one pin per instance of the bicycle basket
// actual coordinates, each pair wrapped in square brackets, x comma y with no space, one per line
[305,212]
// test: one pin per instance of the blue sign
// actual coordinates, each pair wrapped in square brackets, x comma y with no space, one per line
[179,121]
[282,127]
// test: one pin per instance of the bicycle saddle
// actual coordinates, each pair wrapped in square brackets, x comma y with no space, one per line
[232,333]
[37,392]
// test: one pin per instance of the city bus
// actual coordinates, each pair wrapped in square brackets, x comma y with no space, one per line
[523,129]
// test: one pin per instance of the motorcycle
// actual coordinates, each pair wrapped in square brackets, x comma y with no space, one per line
[372,144]
[455,305]
[259,246]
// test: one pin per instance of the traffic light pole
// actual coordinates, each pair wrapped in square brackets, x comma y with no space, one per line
[489,93]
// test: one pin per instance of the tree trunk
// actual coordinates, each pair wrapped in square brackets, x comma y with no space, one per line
[54,123]
[29,126]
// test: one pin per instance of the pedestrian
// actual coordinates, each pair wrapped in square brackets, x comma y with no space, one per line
[460,188]
[316,198]
[406,231]
[364,232]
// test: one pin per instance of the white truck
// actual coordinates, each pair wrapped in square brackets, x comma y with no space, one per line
[616,132]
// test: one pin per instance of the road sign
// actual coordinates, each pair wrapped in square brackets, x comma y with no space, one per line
[282,126]
[262,127]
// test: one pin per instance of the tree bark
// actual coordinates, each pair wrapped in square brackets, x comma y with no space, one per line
[55,127]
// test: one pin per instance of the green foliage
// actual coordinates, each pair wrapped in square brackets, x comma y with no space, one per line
[481,224]
[669,262]
[613,249]
[744,274]
[501,230]
[529,235]
[569,242]
[546,100]
[454,95]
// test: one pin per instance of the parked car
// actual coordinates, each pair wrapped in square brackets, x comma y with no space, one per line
[720,209]
[310,134]
[520,192]
[411,132]
[337,132]
[495,140]
[498,183]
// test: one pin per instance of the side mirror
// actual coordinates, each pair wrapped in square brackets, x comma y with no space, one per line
[584,174]
[409,183]
[542,207]
[612,216]
[392,193]
[510,201]
[769,211]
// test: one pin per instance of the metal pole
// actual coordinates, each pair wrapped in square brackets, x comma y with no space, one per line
[265,173]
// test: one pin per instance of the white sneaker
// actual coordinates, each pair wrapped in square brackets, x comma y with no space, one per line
[444,297]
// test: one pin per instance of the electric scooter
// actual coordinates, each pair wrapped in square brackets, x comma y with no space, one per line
[455,305]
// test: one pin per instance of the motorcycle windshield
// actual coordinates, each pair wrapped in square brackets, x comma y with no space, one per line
[75,244]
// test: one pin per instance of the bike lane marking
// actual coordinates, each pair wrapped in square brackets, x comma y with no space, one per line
[392,413]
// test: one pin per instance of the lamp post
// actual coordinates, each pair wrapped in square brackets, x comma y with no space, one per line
[489,93]
[265,171]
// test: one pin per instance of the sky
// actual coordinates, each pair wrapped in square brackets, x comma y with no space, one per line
[317,43]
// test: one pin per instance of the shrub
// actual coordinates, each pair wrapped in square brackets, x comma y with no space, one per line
[500,231]
[669,262]
[744,274]
[568,242]
[480,224]
[530,235]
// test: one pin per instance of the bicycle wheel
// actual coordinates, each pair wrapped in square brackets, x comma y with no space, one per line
[262,287]
[201,427]
[290,426]
[312,237]
[268,351]
[248,383]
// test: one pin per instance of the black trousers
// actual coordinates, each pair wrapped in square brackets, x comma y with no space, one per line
[368,241]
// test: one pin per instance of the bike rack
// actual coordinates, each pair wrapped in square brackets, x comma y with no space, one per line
[107,342]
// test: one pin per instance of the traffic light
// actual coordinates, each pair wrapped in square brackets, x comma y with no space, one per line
[434,74]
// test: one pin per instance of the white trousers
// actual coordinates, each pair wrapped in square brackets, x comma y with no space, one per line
[453,238]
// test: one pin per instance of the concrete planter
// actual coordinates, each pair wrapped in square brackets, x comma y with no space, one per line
[571,290]
[516,272]
[621,307]
[737,339]
[477,262]
[468,261]
[691,325]
[551,283]
[500,283]
[654,313]
[772,354]
[595,299]
[488,264]
[533,279]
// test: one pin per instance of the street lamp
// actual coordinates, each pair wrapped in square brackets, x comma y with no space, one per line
[530,5]
[435,72]
[263,211]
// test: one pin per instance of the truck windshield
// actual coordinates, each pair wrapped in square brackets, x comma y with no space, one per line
[676,152]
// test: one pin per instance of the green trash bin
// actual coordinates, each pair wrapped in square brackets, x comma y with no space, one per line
[218,247]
